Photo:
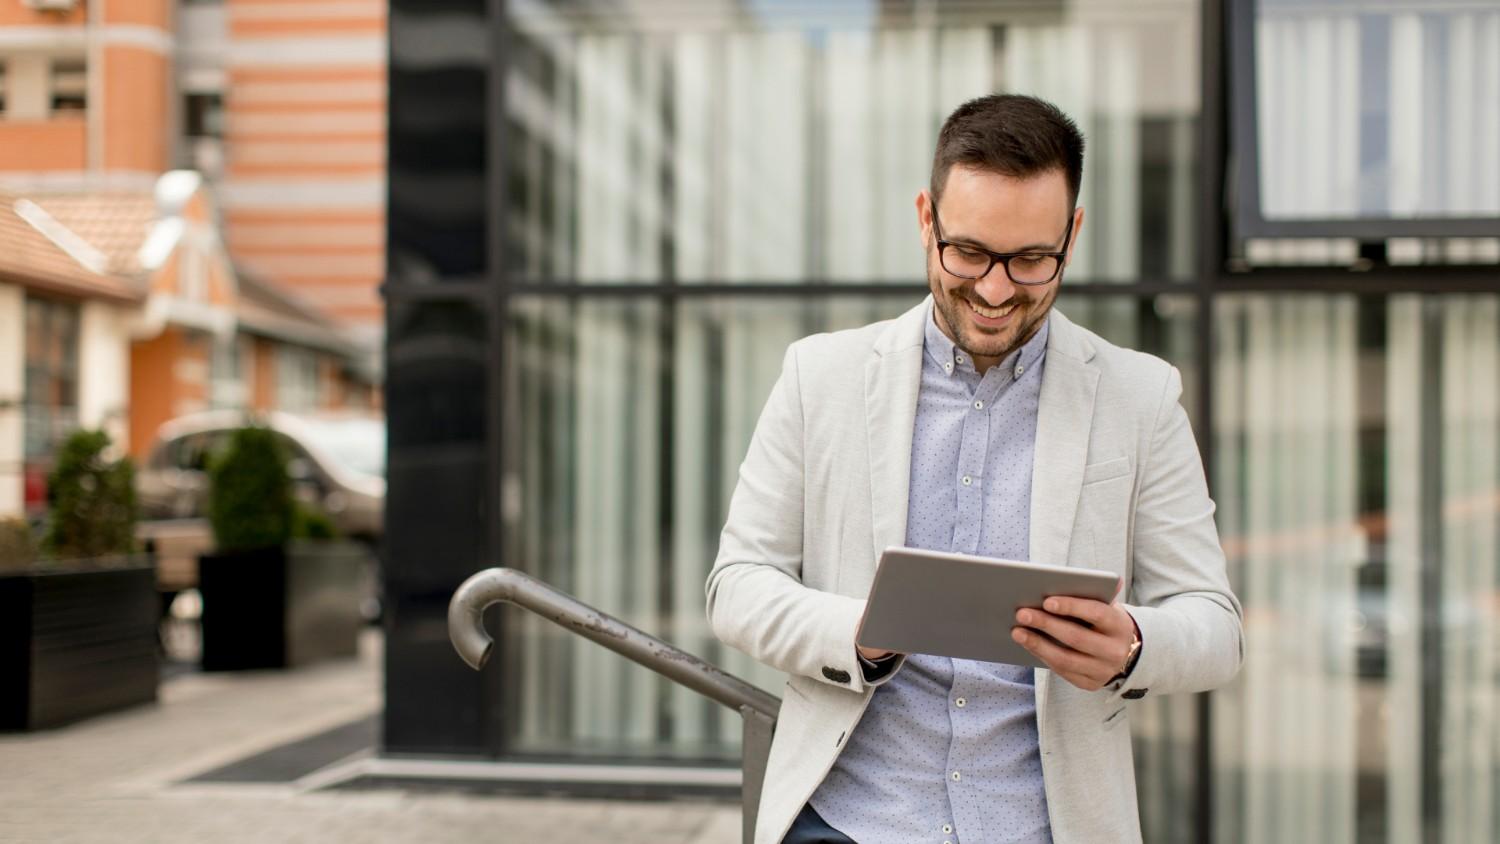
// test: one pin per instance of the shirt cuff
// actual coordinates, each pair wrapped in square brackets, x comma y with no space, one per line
[877,669]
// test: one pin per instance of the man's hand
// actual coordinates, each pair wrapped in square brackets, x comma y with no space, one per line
[871,653]
[1087,658]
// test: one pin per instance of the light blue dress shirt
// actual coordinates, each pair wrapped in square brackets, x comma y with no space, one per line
[947,750]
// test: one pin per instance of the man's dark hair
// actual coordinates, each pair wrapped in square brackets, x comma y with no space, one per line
[1010,134]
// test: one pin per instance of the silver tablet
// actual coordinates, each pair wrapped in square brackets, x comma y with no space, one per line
[964,606]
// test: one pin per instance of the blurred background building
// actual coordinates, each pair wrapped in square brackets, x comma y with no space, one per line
[607,220]
[191,201]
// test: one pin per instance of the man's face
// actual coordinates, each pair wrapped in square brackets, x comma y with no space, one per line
[992,316]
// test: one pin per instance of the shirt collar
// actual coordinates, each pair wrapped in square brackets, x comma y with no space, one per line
[951,359]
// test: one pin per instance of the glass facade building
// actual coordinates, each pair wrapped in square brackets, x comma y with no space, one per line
[607,221]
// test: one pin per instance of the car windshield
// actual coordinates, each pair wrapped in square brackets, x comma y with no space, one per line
[357,444]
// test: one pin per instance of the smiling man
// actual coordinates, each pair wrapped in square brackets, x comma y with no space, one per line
[983,422]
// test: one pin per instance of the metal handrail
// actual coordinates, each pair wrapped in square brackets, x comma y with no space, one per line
[757,707]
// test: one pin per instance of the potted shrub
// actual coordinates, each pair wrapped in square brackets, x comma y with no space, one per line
[77,614]
[279,589]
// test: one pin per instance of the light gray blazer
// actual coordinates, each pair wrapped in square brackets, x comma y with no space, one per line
[1117,484]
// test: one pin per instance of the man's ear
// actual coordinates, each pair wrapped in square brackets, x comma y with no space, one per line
[1073,240]
[924,217]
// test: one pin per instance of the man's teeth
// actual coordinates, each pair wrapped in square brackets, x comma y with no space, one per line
[992,313]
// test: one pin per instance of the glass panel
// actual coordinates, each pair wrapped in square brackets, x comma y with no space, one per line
[627,423]
[439,510]
[439,199]
[783,143]
[1357,470]
[1164,729]
[1378,109]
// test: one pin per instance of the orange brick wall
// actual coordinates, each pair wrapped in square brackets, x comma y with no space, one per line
[46,146]
[309,127]
[263,386]
[153,388]
[135,110]
[152,13]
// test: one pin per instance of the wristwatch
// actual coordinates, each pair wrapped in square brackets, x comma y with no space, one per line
[1135,652]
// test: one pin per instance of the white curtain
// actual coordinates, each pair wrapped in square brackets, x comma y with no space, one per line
[1285,434]
[1470,575]
[726,154]
[1441,127]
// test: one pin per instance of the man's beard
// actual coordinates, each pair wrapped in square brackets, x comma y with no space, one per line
[978,342]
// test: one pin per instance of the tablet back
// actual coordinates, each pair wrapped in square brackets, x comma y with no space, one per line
[963,606]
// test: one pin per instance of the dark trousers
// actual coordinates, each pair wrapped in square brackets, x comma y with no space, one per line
[808,828]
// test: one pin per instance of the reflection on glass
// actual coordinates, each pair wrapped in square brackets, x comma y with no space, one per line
[1378,109]
[627,423]
[1357,471]
[786,143]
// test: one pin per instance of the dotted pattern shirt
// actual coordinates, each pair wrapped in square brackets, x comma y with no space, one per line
[947,750]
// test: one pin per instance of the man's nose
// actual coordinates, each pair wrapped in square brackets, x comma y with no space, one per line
[995,288]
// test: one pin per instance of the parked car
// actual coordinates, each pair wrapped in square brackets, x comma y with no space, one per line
[336,462]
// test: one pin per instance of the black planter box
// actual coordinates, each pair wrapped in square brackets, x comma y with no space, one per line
[280,607]
[76,643]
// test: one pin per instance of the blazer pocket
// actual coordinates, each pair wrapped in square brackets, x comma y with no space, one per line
[1106,471]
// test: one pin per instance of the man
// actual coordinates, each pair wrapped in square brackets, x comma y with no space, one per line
[983,422]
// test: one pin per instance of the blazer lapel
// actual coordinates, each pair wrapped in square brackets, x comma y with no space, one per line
[893,378]
[1064,417]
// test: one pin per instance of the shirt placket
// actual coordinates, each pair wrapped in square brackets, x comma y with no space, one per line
[961,818]
[972,453]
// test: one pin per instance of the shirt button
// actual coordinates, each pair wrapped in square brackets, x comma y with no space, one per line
[960,703]
[967,480]
[958,358]
[957,776]
[1019,369]
[979,405]
[947,367]
[947,828]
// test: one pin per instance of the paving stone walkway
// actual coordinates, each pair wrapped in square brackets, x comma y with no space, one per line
[120,778]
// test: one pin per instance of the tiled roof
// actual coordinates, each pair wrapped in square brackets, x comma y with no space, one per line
[31,259]
[114,222]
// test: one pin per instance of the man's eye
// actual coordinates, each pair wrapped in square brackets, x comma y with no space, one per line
[1028,260]
[970,254]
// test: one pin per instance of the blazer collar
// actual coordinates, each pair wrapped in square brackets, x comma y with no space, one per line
[893,379]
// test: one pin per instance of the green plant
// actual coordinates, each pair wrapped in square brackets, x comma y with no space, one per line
[310,522]
[90,500]
[17,545]
[250,502]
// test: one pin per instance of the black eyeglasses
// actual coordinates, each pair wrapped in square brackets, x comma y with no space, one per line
[972,262]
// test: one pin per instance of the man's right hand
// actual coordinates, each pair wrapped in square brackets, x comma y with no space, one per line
[872,653]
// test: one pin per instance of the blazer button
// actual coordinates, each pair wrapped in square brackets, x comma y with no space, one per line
[1134,694]
[835,675]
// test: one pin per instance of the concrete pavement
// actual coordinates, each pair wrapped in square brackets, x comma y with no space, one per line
[121,778]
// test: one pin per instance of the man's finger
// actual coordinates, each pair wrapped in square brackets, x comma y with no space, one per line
[1094,612]
[1073,666]
[1070,633]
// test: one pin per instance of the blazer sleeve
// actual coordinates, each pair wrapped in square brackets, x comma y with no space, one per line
[1192,638]
[757,602]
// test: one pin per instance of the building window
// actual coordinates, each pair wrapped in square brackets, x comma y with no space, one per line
[51,397]
[69,85]
[297,383]
[203,115]
[229,386]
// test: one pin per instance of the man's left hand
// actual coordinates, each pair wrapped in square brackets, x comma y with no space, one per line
[1086,656]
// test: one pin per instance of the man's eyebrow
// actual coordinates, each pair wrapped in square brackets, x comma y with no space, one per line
[969,241]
